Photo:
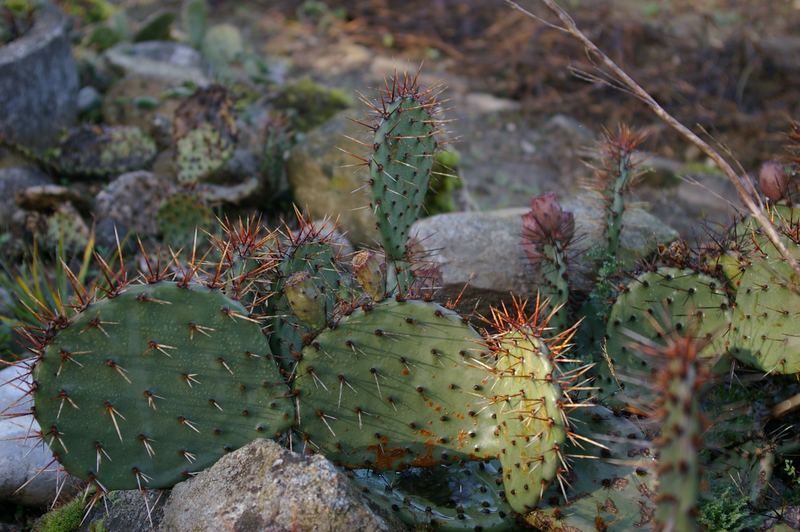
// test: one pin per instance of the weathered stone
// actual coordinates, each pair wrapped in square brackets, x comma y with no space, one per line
[264,487]
[22,459]
[326,184]
[48,197]
[38,82]
[482,249]
[131,201]
[164,60]
[13,181]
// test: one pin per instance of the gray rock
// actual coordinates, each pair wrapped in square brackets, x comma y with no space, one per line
[48,197]
[325,183]
[89,99]
[38,81]
[482,249]
[264,487]
[13,181]
[131,201]
[21,459]
[165,60]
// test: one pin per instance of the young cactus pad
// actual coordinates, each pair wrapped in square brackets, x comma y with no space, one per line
[652,305]
[158,382]
[396,385]
[533,425]
[400,165]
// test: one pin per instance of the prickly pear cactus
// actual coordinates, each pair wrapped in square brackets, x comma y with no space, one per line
[533,424]
[400,165]
[765,333]
[99,151]
[455,497]
[611,484]
[146,388]
[650,307]
[395,385]
[183,219]
[313,255]
[204,133]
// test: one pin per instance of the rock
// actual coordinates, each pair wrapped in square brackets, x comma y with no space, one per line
[89,100]
[13,181]
[480,102]
[47,197]
[325,183]
[266,487]
[21,459]
[38,81]
[482,249]
[165,60]
[131,202]
[230,194]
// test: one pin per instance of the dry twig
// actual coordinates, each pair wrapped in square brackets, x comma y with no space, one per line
[569,27]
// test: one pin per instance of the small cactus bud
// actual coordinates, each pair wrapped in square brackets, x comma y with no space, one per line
[773,180]
[369,269]
[546,223]
[305,299]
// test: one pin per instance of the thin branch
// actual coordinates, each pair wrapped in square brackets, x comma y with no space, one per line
[756,210]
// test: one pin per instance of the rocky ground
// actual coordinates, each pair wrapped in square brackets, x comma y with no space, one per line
[508,154]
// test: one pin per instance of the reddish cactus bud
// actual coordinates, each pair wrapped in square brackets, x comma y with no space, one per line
[773,180]
[546,223]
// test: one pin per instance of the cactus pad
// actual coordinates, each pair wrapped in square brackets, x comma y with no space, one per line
[765,331]
[143,389]
[456,497]
[651,306]
[396,385]
[100,151]
[533,426]
[400,166]
[180,217]
[204,132]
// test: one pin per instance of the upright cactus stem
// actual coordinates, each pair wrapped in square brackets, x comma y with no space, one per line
[613,181]
[403,148]
[678,384]
[547,231]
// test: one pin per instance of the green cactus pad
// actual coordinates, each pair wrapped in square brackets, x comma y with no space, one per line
[608,488]
[180,217]
[319,260]
[400,166]
[156,383]
[456,497]
[765,330]
[653,305]
[100,151]
[396,385]
[204,133]
[533,426]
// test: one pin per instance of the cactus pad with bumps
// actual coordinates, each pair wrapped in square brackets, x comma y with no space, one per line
[396,385]
[533,425]
[652,306]
[143,389]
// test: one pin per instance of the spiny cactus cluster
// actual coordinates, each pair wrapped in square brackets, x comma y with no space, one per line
[148,379]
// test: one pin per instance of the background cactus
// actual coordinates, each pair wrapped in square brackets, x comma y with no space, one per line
[183,219]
